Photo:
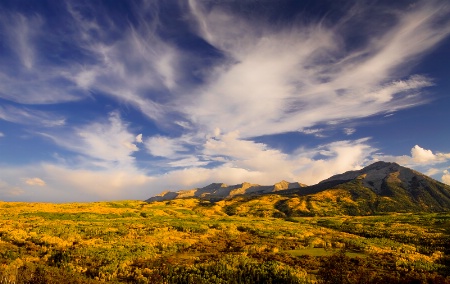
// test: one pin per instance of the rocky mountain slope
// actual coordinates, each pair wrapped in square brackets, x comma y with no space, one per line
[378,188]
[393,188]
[376,174]
[219,191]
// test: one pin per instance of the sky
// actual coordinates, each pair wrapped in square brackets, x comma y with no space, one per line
[108,100]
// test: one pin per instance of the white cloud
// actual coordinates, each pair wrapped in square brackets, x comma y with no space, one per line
[11,192]
[269,80]
[337,157]
[21,34]
[433,171]
[349,131]
[305,165]
[30,117]
[244,161]
[317,132]
[63,183]
[28,78]
[248,154]
[199,177]
[131,67]
[419,157]
[274,80]
[279,81]
[446,177]
[105,144]
[164,147]
[2,135]
[188,162]
[103,184]
[35,181]
[8,191]
[85,78]
[109,141]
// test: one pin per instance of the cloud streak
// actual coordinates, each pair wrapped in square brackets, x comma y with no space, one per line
[105,144]
[28,116]
[279,81]
[35,182]
[21,34]
[274,80]
[242,161]
[250,79]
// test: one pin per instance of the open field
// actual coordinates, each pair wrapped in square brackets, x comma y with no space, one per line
[187,241]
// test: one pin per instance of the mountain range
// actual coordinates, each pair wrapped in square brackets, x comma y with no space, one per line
[219,191]
[378,188]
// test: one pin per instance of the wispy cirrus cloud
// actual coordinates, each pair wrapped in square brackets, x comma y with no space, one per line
[21,34]
[27,116]
[103,166]
[240,161]
[271,165]
[273,79]
[264,79]
[130,67]
[277,81]
[349,131]
[27,76]
[286,80]
[105,144]
[165,147]
[317,132]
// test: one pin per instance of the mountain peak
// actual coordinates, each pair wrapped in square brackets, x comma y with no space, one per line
[214,185]
[382,165]
[375,175]
[379,187]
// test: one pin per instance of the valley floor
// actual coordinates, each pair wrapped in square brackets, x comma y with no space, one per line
[187,241]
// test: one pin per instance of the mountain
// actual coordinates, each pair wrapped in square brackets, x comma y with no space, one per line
[391,187]
[376,189]
[374,175]
[219,191]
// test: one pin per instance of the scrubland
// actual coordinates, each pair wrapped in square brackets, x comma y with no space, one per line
[193,241]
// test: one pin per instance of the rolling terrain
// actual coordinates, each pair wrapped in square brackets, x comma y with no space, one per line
[378,188]
[190,241]
[382,224]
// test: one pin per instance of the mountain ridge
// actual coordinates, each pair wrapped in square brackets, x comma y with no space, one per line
[218,191]
[378,188]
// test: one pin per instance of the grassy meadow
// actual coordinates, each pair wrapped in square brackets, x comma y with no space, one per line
[192,241]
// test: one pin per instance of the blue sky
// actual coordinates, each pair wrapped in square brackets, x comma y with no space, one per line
[104,100]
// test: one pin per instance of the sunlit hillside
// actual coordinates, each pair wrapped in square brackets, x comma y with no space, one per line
[376,189]
[194,241]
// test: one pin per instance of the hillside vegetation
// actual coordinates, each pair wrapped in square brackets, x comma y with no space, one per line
[381,224]
[376,189]
[243,240]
